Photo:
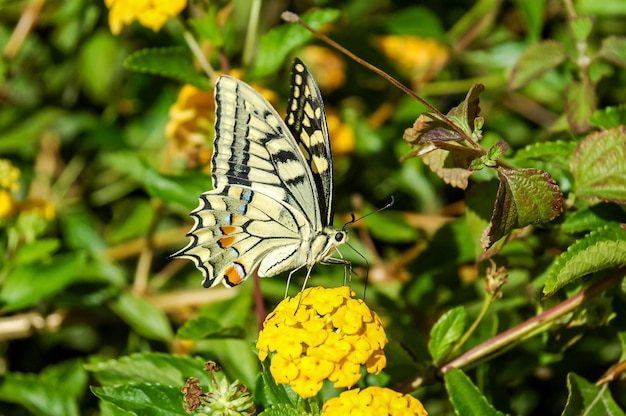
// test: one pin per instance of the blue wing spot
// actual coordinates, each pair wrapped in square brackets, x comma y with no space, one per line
[228,219]
[247,195]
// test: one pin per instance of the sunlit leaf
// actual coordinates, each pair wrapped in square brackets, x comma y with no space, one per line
[465,396]
[144,398]
[149,367]
[171,62]
[613,116]
[525,196]
[446,332]
[599,166]
[280,41]
[586,398]
[143,316]
[203,327]
[601,249]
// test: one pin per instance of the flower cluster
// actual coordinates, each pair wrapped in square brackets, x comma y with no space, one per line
[152,14]
[322,334]
[9,182]
[373,401]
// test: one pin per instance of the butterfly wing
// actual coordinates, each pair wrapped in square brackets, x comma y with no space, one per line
[264,203]
[237,231]
[306,120]
[254,149]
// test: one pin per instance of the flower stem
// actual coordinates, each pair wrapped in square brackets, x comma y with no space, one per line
[533,325]
[197,52]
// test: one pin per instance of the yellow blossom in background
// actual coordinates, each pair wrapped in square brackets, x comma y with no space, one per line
[419,58]
[373,401]
[327,66]
[152,14]
[7,205]
[322,334]
[9,176]
[192,118]
[39,207]
[341,134]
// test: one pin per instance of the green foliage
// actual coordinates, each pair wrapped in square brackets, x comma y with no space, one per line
[496,272]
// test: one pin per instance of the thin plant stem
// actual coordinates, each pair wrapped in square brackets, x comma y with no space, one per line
[197,52]
[253,26]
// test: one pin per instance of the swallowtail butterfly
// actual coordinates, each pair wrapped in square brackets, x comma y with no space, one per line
[270,209]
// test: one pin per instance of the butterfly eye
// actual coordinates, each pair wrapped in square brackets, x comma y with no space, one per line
[339,237]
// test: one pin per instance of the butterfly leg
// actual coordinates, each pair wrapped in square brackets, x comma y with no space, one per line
[347,268]
[289,279]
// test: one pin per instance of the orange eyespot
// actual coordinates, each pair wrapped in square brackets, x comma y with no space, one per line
[226,241]
[227,229]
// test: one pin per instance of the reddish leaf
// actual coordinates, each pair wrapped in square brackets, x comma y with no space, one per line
[525,196]
[613,49]
[599,166]
[580,104]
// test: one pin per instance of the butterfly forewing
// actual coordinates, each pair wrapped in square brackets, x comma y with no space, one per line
[306,120]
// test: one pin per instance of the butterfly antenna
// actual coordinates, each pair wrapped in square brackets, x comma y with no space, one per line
[353,220]
[367,268]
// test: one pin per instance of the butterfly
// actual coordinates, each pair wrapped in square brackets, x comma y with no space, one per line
[271,207]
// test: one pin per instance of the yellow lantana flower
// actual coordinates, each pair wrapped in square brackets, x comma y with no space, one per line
[373,401]
[419,58]
[322,334]
[152,14]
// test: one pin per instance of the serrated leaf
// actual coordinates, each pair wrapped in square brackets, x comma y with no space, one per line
[601,249]
[173,62]
[465,113]
[586,398]
[203,327]
[465,397]
[30,283]
[537,60]
[608,117]
[280,41]
[149,367]
[143,316]
[525,196]
[446,332]
[593,218]
[144,398]
[613,49]
[599,166]
[558,151]
[273,394]
[580,104]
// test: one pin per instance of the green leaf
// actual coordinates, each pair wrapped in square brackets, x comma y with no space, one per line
[415,21]
[207,27]
[100,58]
[149,367]
[548,151]
[464,114]
[22,137]
[581,27]
[537,60]
[608,117]
[580,104]
[36,250]
[599,166]
[144,398]
[525,196]
[204,327]
[601,249]
[173,62]
[613,49]
[465,397]
[53,393]
[143,316]
[392,227]
[271,393]
[586,398]
[30,283]
[591,219]
[445,333]
[282,40]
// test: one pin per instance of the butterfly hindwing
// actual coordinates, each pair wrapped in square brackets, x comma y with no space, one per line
[234,232]
[306,120]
